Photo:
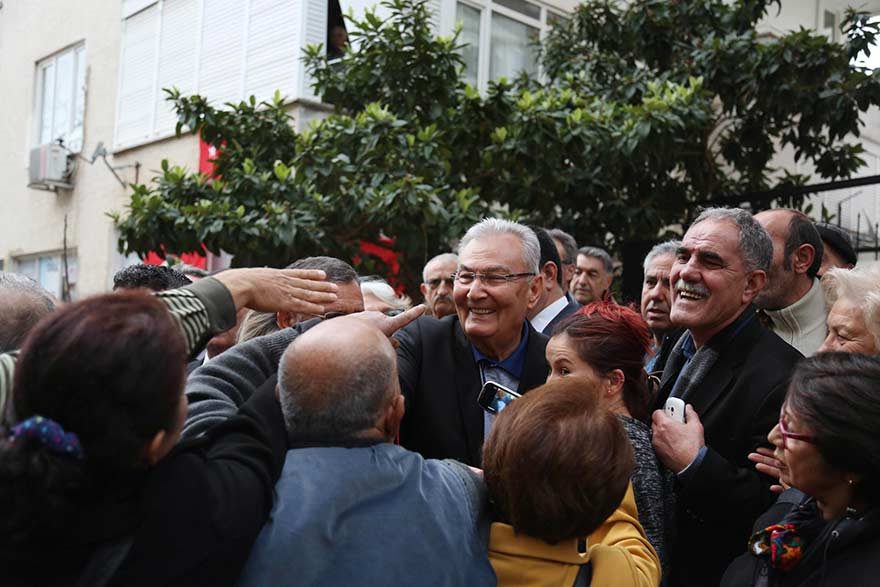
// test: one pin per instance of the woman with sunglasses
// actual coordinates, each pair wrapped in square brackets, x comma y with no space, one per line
[605,344]
[825,529]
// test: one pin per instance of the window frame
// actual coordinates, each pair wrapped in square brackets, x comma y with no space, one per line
[18,262]
[487,8]
[77,90]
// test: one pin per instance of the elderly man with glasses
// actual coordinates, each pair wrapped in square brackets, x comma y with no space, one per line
[443,363]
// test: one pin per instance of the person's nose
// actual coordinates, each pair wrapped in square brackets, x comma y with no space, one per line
[444,288]
[827,344]
[775,437]
[476,289]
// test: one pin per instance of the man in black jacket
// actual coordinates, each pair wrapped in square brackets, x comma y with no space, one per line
[732,373]
[442,364]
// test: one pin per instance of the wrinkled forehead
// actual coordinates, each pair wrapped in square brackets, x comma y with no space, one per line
[660,265]
[440,269]
[719,237]
[493,254]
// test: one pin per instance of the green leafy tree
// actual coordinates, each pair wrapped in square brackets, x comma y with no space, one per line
[644,110]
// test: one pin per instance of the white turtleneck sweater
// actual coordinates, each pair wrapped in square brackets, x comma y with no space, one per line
[802,324]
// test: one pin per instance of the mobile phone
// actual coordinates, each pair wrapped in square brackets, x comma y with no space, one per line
[675,409]
[494,397]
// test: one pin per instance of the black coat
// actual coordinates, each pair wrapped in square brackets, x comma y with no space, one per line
[738,404]
[564,313]
[841,552]
[190,521]
[441,381]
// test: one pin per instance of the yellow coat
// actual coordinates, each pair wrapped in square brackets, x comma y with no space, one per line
[619,550]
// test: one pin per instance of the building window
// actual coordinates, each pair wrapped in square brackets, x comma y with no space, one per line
[61,92]
[226,50]
[48,271]
[500,38]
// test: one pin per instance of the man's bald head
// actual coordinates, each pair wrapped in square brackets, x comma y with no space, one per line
[24,303]
[337,381]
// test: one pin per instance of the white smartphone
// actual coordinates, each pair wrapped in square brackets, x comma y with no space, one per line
[675,409]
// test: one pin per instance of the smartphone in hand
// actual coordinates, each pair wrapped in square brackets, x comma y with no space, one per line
[674,408]
[494,397]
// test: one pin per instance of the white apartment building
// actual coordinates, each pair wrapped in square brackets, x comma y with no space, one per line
[89,74]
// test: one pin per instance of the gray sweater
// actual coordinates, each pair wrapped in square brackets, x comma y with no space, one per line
[653,488]
[218,388]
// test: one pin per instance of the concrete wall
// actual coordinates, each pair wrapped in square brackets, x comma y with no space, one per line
[33,220]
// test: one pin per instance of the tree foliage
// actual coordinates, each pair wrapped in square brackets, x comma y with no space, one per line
[644,109]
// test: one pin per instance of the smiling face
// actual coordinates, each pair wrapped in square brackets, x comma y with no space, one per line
[590,282]
[492,316]
[806,469]
[847,331]
[710,284]
[657,295]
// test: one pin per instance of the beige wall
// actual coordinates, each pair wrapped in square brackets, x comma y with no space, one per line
[33,220]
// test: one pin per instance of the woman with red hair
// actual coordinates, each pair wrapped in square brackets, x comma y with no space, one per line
[605,344]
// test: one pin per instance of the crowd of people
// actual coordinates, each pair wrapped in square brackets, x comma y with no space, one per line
[310,426]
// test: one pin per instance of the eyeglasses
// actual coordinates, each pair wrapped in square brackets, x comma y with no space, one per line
[488,279]
[786,435]
[435,283]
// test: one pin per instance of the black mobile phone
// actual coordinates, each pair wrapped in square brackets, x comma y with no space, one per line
[494,397]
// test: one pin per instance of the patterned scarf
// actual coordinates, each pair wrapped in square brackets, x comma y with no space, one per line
[780,543]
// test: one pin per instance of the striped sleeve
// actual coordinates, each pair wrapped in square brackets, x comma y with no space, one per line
[190,313]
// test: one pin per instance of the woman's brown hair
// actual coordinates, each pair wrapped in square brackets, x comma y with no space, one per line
[556,465]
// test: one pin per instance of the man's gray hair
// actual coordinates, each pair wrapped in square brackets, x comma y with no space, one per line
[25,302]
[382,289]
[569,245]
[488,227]
[755,245]
[346,401]
[262,323]
[861,286]
[668,248]
[441,258]
[600,254]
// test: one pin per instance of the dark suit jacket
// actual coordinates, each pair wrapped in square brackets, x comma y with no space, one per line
[738,403]
[564,313]
[441,382]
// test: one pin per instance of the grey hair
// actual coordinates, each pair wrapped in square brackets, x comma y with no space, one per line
[569,245]
[488,227]
[27,304]
[382,290]
[441,258]
[861,286]
[755,245]
[668,248]
[600,254]
[351,397]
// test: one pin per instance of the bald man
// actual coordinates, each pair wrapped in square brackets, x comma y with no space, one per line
[348,496]
[437,284]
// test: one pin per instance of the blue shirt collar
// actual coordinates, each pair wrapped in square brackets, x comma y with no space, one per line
[513,364]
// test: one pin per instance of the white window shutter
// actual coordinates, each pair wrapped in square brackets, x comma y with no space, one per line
[434,8]
[222,52]
[273,49]
[178,51]
[134,113]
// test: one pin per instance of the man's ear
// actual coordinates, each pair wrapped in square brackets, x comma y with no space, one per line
[278,392]
[284,320]
[802,258]
[755,282]
[155,449]
[535,288]
[424,289]
[549,272]
[393,416]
